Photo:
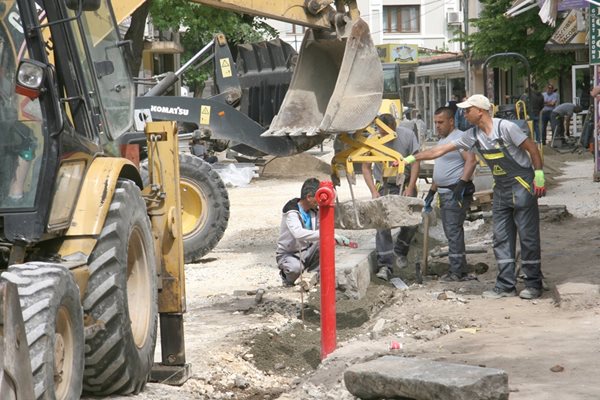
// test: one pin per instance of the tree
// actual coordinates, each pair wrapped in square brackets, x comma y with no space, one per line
[525,34]
[199,24]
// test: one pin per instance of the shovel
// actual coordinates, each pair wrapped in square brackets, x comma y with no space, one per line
[426,220]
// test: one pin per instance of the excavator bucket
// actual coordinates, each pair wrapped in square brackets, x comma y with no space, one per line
[337,85]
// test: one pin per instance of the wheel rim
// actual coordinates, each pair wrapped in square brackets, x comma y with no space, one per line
[138,288]
[63,353]
[193,212]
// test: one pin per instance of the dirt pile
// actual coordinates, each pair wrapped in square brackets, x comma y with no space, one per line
[298,166]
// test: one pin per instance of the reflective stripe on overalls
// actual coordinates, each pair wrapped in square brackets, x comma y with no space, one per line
[515,209]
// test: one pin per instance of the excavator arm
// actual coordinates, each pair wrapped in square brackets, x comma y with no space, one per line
[337,84]
[318,14]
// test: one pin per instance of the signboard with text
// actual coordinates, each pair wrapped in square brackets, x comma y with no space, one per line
[594,34]
[398,53]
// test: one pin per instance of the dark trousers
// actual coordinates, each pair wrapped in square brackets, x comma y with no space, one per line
[536,128]
[546,117]
[515,210]
[453,216]
[558,127]
[384,243]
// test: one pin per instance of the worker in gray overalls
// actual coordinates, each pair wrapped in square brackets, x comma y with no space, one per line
[516,166]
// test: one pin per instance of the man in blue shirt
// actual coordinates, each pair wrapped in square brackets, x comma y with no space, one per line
[298,243]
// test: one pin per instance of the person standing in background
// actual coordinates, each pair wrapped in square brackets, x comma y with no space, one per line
[550,101]
[536,104]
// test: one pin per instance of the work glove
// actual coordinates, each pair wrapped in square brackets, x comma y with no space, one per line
[342,240]
[428,200]
[539,183]
[459,190]
[409,159]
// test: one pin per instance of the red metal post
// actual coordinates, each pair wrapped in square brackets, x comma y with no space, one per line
[326,198]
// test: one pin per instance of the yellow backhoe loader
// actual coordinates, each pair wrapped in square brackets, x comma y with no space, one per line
[88,256]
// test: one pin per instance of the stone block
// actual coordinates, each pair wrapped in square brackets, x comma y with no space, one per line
[385,212]
[399,377]
[352,273]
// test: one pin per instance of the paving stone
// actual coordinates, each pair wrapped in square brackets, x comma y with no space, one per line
[352,273]
[410,378]
[382,213]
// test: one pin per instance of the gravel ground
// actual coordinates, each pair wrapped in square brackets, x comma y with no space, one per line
[241,349]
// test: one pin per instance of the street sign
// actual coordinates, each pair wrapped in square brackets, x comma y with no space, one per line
[594,34]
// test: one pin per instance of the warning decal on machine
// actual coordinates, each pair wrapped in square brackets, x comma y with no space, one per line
[204,115]
[225,67]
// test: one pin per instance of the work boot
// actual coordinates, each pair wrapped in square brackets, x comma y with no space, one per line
[452,277]
[496,293]
[384,273]
[530,293]
[401,262]
[284,280]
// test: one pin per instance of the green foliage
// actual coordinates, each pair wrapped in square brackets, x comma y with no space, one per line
[200,24]
[525,34]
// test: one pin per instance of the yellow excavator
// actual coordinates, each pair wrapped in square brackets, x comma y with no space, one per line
[91,261]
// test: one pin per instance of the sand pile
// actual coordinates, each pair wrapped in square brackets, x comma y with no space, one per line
[299,166]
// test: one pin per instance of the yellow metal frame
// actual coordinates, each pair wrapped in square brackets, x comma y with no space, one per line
[371,149]
[94,197]
[164,207]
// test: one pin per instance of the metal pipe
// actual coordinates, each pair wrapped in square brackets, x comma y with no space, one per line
[193,59]
[326,199]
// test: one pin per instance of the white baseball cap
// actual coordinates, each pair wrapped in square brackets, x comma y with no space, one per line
[477,100]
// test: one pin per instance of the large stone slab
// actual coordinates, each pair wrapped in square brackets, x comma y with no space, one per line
[384,212]
[400,377]
[352,273]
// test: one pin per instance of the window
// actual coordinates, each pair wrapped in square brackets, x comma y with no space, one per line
[401,19]
[294,29]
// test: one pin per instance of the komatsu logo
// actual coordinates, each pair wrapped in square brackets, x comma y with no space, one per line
[170,110]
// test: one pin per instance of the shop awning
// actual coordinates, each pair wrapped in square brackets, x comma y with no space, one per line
[548,8]
[571,34]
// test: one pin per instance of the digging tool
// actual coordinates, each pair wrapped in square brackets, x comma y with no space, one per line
[426,221]
[418,275]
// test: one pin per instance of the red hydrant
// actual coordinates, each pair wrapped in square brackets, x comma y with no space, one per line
[326,198]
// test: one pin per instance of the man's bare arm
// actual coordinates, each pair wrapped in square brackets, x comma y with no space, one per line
[536,159]
[411,189]
[470,164]
[435,152]
[368,177]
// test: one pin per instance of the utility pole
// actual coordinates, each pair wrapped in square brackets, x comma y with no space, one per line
[467,56]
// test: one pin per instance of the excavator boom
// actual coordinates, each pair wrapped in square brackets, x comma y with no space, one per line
[312,14]
[337,84]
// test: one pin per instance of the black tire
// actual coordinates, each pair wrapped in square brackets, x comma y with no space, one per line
[53,319]
[204,203]
[120,302]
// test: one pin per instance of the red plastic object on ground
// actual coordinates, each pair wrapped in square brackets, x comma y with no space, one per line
[326,198]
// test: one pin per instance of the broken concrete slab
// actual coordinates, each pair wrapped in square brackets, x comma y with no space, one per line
[352,273]
[401,377]
[384,212]
[576,295]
